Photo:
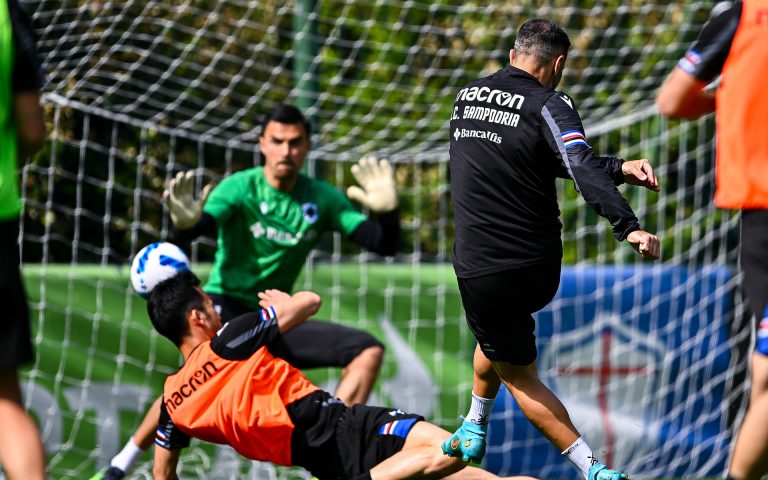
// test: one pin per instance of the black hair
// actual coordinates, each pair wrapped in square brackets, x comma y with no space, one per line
[542,39]
[169,303]
[289,115]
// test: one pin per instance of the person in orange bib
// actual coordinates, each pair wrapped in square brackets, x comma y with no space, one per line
[732,45]
[232,390]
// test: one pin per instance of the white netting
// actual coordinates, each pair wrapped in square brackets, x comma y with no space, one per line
[139,90]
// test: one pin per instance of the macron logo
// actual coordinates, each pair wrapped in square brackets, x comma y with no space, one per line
[566,100]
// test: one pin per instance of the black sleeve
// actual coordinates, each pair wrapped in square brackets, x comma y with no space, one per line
[594,177]
[706,58]
[206,226]
[27,72]
[611,165]
[382,236]
[243,335]
[167,435]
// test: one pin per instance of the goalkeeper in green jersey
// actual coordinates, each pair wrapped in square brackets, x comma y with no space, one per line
[266,221]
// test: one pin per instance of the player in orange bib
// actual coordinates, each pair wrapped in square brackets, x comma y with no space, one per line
[732,45]
[233,390]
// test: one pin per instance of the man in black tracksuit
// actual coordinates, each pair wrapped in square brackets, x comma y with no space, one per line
[512,135]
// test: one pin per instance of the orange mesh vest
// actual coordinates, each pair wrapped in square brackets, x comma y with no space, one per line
[237,402]
[742,114]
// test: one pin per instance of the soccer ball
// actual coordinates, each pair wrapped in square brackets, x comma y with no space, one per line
[154,263]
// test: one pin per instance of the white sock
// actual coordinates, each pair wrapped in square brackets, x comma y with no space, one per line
[127,456]
[480,410]
[581,456]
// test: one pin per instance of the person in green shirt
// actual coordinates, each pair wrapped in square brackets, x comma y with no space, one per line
[267,220]
[22,133]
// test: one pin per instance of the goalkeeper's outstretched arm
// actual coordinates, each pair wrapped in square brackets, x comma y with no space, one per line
[380,236]
[206,226]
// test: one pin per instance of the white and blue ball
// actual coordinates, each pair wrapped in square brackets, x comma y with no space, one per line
[154,263]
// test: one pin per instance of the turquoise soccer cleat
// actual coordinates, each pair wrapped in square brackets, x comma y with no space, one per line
[599,471]
[468,443]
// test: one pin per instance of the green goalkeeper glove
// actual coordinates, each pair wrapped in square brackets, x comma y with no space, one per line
[185,210]
[378,185]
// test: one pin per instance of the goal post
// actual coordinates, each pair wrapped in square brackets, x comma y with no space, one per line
[140,90]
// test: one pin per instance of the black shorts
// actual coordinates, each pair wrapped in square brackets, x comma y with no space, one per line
[15,342]
[754,261]
[337,442]
[498,307]
[310,344]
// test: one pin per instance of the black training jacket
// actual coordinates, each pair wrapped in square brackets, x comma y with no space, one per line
[511,138]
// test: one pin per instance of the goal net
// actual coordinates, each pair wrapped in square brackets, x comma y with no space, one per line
[649,357]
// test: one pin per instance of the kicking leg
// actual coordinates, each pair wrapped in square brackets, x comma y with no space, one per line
[545,412]
[420,457]
[537,402]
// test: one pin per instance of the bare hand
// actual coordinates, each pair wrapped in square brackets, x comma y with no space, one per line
[640,172]
[644,243]
[270,297]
